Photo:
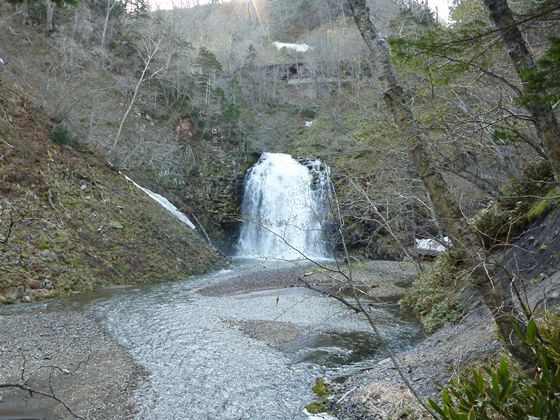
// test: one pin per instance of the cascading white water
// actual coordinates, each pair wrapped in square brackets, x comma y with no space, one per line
[285,209]
[164,202]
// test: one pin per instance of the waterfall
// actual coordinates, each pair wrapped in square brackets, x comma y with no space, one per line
[285,209]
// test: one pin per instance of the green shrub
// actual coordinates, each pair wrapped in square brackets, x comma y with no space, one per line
[505,391]
[308,113]
[536,178]
[540,207]
[61,135]
[509,214]
[315,407]
[320,388]
[232,111]
[543,81]
[431,296]
[443,313]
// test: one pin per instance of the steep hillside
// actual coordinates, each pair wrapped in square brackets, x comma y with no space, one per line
[69,222]
[216,92]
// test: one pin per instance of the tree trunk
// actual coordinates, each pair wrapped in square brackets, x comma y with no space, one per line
[50,15]
[493,287]
[545,121]
[109,8]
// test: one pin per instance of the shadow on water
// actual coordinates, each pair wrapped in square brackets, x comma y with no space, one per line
[332,348]
[345,352]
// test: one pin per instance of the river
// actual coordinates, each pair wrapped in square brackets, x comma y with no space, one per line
[202,363]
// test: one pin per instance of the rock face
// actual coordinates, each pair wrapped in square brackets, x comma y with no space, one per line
[215,192]
[66,238]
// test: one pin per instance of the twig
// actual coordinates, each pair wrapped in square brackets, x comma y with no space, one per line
[49,198]
[358,308]
[25,387]
[202,229]
[345,395]
[9,232]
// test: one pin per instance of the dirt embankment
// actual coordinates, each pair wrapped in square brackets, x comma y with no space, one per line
[69,222]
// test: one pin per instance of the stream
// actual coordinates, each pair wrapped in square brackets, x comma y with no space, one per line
[239,343]
[202,364]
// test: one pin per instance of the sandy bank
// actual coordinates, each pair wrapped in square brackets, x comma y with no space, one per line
[381,280]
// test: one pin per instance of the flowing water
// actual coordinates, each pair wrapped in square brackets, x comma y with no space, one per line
[252,355]
[248,355]
[202,365]
[285,208]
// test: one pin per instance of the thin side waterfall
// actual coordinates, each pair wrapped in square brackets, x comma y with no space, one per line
[164,202]
[285,209]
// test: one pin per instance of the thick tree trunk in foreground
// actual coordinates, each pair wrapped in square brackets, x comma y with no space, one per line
[492,286]
[545,121]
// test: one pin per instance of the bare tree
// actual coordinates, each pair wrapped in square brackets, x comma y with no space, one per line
[50,14]
[109,8]
[26,378]
[5,236]
[543,116]
[485,275]
[148,50]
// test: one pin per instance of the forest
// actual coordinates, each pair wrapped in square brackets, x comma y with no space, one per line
[280,209]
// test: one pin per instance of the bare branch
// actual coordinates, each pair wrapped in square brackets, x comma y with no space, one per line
[27,388]
[6,237]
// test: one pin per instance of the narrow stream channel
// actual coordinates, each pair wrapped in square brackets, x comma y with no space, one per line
[201,364]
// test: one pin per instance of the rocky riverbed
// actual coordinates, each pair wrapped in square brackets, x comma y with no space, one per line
[63,347]
[65,343]
[68,354]
[380,280]
[379,392]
